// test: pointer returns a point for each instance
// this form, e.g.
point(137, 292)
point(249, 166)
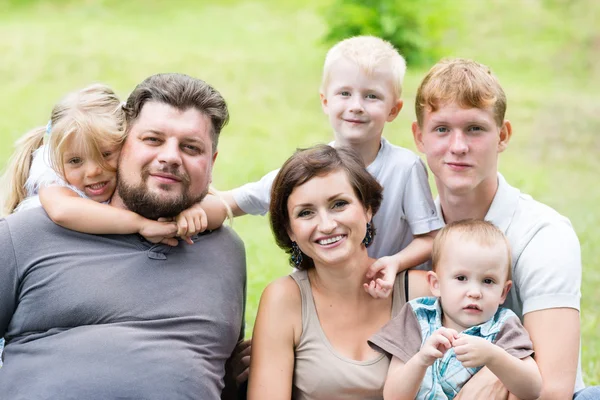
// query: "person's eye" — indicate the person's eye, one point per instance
point(151, 140)
point(303, 213)
point(191, 149)
point(475, 129)
point(461, 278)
point(488, 281)
point(74, 160)
point(441, 129)
point(340, 204)
point(345, 93)
point(372, 96)
point(107, 154)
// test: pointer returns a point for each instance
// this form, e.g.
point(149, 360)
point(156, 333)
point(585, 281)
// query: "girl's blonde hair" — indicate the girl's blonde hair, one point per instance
point(90, 118)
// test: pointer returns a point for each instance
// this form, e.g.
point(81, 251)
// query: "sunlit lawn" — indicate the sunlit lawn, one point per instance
point(265, 57)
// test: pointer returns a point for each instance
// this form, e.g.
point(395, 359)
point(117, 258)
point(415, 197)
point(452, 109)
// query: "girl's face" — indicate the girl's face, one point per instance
point(87, 175)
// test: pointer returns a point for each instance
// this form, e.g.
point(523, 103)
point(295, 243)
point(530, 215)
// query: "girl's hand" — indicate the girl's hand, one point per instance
point(191, 222)
point(160, 231)
point(436, 345)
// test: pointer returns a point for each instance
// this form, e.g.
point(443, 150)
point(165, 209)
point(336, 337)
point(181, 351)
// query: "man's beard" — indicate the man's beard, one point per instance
point(150, 205)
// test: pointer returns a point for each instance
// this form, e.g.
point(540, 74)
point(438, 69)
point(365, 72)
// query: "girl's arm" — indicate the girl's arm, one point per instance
point(69, 210)
point(276, 332)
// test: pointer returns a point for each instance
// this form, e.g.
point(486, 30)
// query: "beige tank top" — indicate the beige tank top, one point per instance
point(320, 372)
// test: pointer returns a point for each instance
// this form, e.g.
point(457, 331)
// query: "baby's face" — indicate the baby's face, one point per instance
point(472, 281)
point(87, 175)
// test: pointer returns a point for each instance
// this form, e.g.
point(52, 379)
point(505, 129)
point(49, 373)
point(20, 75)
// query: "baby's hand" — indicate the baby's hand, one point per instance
point(436, 345)
point(383, 275)
point(191, 222)
point(159, 231)
point(472, 351)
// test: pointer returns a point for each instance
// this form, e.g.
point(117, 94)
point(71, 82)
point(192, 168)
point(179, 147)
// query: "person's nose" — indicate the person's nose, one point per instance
point(170, 153)
point(474, 291)
point(458, 142)
point(356, 104)
point(92, 169)
point(327, 223)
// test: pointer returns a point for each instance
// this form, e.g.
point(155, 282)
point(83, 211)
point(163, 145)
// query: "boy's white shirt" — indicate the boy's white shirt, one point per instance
point(546, 255)
point(407, 208)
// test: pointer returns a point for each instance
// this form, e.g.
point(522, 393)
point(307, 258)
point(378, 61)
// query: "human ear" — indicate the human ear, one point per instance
point(505, 291)
point(418, 136)
point(369, 214)
point(323, 102)
point(505, 135)
point(434, 283)
point(395, 110)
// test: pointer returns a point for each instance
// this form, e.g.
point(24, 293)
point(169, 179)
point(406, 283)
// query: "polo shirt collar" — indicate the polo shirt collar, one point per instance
point(503, 206)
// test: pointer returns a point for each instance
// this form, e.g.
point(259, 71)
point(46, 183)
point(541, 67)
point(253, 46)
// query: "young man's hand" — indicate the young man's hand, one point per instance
point(436, 345)
point(382, 274)
point(190, 222)
point(473, 351)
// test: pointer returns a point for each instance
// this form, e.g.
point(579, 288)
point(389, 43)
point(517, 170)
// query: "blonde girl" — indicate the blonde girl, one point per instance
point(69, 167)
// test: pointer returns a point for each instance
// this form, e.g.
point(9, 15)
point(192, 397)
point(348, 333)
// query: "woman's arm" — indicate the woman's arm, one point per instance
point(69, 210)
point(276, 332)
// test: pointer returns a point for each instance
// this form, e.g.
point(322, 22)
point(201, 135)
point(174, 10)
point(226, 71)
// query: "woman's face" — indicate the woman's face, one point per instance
point(327, 220)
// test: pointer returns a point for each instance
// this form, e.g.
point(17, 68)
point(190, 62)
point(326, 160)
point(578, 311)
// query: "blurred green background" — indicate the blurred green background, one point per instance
point(266, 57)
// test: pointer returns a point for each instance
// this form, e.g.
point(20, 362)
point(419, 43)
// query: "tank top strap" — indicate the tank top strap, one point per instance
point(399, 295)
point(308, 305)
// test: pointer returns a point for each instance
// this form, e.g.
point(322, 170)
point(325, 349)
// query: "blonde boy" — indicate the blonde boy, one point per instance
point(438, 343)
point(360, 92)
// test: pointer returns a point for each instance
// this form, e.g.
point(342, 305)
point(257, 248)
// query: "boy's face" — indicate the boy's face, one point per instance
point(462, 146)
point(471, 281)
point(359, 104)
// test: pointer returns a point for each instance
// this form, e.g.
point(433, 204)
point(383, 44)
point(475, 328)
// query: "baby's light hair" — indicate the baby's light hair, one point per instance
point(461, 81)
point(482, 232)
point(369, 53)
point(90, 118)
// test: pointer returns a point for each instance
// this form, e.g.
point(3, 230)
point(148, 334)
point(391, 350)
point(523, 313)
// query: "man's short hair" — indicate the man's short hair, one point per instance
point(368, 53)
point(464, 82)
point(482, 232)
point(182, 92)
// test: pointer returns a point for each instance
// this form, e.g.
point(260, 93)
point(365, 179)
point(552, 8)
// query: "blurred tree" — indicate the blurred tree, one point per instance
point(415, 27)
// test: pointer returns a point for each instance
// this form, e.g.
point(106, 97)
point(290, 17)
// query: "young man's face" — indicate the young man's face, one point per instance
point(461, 146)
point(471, 280)
point(359, 104)
point(166, 161)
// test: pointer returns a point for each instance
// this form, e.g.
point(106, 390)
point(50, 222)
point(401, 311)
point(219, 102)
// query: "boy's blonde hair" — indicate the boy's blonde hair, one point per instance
point(90, 118)
point(465, 82)
point(483, 232)
point(368, 52)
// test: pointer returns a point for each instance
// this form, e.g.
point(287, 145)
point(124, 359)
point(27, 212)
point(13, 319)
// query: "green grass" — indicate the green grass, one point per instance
point(266, 57)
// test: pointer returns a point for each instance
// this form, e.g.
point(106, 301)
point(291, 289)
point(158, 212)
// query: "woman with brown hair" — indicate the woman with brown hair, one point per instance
point(310, 337)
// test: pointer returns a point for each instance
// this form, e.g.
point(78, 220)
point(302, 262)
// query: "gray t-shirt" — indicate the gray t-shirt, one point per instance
point(114, 316)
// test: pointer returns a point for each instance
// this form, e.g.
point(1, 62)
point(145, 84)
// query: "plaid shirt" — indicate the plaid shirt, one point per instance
point(445, 378)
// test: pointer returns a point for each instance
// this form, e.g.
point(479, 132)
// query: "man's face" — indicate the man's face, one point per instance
point(166, 161)
point(462, 146)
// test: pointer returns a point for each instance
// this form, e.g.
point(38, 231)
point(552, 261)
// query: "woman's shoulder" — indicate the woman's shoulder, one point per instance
point(283, 293)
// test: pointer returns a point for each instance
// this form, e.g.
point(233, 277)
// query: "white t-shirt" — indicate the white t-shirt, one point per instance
point(546, 256)
point(407, 208)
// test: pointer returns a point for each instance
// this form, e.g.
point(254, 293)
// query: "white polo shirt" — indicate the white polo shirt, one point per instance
point(407, 208)
point(546, 255)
